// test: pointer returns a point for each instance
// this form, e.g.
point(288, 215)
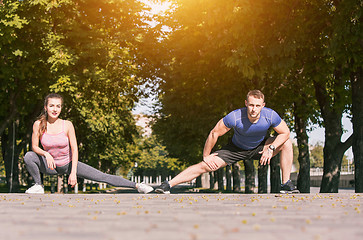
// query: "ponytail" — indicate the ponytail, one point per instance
point(43, 123)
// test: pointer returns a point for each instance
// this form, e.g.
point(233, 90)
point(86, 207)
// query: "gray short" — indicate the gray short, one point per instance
point(230, 153)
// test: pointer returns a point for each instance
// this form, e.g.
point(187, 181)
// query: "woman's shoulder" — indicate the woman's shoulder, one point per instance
point(68, 124)
point(36, 123)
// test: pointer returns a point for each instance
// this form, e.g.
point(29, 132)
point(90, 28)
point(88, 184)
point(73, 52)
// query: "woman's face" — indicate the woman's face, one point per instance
point(54, 107)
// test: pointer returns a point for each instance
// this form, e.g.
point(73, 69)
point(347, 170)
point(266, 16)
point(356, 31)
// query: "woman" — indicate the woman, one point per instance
point(60, 152)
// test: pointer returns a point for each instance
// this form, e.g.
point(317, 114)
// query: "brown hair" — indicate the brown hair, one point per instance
point(256, 94)
point(44, 115)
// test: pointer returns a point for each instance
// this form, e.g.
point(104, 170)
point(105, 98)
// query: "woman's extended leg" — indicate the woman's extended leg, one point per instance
point(35, 165)
point(88, 172)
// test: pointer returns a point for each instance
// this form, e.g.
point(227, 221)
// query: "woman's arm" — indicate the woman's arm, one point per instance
point(72, 180)
point(37, 149)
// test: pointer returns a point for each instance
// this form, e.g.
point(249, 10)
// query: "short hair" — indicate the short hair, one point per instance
point(256, 94)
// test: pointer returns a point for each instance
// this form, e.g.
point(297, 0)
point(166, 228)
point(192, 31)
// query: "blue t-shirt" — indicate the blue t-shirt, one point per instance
point(249, 135)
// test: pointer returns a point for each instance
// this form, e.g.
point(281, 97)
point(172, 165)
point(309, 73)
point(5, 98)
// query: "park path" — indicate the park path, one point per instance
point(181, 216)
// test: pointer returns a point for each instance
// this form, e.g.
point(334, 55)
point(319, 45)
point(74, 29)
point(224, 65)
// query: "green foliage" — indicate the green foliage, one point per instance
point(153, 159)
point(88, 52)
point(317, 156)
point(96, 63)
point(215, 51)
point(210, 65)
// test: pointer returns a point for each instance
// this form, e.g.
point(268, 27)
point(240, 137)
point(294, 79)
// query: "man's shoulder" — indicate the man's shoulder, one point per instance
point(267, 110)
point(238, 113)
point(271, 116)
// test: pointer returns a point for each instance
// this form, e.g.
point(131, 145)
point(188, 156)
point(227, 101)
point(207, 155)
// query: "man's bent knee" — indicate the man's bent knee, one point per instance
point(217, 161)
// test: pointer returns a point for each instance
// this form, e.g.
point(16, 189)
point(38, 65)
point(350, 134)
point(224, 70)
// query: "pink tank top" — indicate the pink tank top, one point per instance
point(57, 145)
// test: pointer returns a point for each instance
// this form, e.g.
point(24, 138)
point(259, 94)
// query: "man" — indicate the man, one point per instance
point(250, 125)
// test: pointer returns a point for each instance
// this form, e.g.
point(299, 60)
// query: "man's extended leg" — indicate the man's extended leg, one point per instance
point(189, 174)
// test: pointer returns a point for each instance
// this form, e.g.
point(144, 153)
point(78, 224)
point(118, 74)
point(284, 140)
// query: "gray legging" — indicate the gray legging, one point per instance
point(36, 164)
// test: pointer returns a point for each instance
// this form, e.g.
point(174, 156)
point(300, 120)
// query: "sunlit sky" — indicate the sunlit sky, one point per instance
point(157, 8)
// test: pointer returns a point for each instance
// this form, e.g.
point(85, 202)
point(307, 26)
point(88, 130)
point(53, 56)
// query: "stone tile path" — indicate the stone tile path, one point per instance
point(181, 216)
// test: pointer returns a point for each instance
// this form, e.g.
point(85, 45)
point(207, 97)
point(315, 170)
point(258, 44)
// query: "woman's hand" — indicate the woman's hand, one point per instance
point(50, 161)
point(72, 180)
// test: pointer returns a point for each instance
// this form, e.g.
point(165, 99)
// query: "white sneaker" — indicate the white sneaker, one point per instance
point(143, 188)
point(36, 188)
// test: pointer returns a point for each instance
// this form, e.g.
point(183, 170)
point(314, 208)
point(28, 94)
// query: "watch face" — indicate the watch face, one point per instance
point(272, 147)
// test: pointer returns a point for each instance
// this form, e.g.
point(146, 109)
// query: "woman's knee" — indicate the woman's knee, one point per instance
point(30, 157)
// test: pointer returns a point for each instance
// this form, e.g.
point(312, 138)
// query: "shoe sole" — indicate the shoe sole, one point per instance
point(289, 192)
point(162, 191)
point(148, 191)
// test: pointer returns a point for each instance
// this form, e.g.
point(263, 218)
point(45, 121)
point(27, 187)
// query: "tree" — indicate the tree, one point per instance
point(23, 69)
point(86, 50)
point(255, 50)
point(346, 47)
point(153, 159)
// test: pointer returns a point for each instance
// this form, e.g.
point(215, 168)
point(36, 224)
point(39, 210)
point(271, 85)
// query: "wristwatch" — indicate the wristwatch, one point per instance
point(272, 147)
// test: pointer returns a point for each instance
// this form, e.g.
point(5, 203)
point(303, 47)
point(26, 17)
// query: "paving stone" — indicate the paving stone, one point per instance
point(181, 216)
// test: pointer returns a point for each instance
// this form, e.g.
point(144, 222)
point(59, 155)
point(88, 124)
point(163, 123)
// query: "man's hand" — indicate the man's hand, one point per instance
point(267, 154)
point(209, 160)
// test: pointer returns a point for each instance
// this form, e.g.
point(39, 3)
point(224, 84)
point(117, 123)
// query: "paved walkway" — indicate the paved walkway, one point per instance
point(181, 216)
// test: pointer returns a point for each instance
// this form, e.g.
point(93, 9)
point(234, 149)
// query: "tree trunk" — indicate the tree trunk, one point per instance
point(198, 182)
point(275, 178)
point(229, 178)
point(162, 174)
point(236, 178)
point(250, 173)
point(334, 149)
point(211, 180)
point(5, 123)
point(262, 178)
point(303, 179)
point(220, 179)
point(11, 157)
point(357, 109)
point(332, 165)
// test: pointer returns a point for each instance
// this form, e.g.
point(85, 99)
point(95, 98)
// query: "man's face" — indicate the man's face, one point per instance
point(254, 106)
